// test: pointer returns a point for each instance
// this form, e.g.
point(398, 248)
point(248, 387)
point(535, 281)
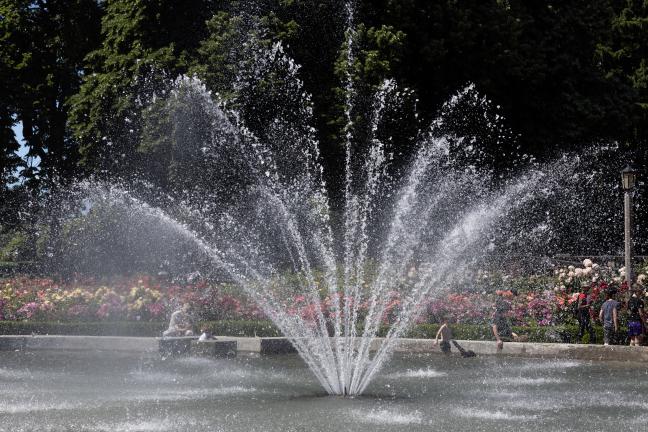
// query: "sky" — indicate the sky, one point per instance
point(22, 152)
point(19, 136)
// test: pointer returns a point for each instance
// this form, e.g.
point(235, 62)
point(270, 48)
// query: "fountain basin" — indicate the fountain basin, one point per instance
point(279, 345)
point(97, 390)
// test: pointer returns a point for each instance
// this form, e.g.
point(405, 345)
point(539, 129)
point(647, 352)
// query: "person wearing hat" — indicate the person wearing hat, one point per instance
point(583, 314)
point(635, 316)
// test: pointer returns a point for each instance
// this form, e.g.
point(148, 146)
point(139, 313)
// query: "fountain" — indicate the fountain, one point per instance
point(258, 208)
point(265, 217)
point(262, 213)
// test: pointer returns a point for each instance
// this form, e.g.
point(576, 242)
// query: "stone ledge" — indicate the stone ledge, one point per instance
point(174, 346)
point(283, 346)
point(80, 343)
point(277, 345)
point(214, 348)
point(531, 349)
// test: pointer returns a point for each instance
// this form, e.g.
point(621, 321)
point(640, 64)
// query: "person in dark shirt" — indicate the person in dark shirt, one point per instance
point(583, 314)
point(500, 323)
point(609, 316)
point(635, 316)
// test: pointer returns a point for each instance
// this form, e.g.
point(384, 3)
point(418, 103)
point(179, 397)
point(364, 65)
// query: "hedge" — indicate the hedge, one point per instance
point(78, 328)
point(268, 329)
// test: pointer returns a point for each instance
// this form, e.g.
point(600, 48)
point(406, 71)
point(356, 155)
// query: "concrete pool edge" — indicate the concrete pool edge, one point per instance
point(280, 345)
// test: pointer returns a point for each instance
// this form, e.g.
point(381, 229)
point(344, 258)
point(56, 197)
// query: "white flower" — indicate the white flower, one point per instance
point(616, 279)
point(587, 262)
point(578, 272)
point(641, 278)
point(571, 267)
point(570, 274)
point(595, 266)
point(587, 271)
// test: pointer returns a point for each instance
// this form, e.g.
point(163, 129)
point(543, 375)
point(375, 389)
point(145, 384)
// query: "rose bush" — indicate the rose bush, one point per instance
point(542, 301)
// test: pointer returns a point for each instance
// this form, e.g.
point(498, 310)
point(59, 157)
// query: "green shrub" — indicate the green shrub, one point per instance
point(118, 328)
point(268, 329)
point(242, 328)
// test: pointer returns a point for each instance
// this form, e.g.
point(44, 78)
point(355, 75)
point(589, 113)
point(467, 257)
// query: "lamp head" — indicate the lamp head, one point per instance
point(628, 178)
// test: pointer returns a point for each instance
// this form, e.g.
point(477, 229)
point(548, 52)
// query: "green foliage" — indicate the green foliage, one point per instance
point(535, 59)
point(119, 328)
point(268, 329)
point(624, 57)
point(41, 61)
point(242, 328)
point(77, 73)
point(375, 53)
point(14, 246)
point(145, 44)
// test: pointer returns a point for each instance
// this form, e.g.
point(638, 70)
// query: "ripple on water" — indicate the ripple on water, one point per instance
point(201, 362)
point(549, 365)
point(388, 417)
point(20, 407)
point(418, 373)
point(491, 415)
point(153, 425)
point(154, 377)
point(523, 381)
point(178, 395)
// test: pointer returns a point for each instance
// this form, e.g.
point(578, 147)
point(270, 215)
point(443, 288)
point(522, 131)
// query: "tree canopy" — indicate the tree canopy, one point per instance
point(81, 78)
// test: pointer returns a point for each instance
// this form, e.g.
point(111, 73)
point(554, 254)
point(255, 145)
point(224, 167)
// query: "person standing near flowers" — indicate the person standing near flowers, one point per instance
point(500, 323)
point(635, 316)
point(583, 314)
point(609, 316)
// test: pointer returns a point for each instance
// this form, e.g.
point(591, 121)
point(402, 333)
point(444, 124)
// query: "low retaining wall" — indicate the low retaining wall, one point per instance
point(532, 349)
point(81, 343)
point(283, 346)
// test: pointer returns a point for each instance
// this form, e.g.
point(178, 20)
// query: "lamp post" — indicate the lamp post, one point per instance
point(628, 179)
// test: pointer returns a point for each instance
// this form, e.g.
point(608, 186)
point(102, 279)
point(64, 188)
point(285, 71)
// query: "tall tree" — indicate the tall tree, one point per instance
point(534, 58)
point(146, 44)
point(41, 59)
point(625, 58)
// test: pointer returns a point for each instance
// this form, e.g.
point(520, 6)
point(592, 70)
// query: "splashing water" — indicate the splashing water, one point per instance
point(264, 215)
point(276, 238)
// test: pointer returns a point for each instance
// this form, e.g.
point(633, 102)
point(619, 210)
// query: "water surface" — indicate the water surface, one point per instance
point(105, 391)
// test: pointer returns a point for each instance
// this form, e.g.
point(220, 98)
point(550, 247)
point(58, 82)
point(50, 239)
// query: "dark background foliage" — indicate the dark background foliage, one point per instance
point(76, 74)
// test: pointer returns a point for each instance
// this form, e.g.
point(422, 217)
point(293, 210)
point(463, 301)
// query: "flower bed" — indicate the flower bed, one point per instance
point(543, 301)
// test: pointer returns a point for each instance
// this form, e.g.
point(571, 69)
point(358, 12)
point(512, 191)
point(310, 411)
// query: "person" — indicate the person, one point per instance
point(180, 323)
point(635, 316)
point(446, 336)
point(500, 322)
point(583, 308)
point(609, 316)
